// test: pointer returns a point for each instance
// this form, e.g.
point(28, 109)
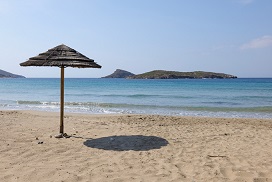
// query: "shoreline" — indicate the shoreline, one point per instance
point(147, 147)
point(222, 115)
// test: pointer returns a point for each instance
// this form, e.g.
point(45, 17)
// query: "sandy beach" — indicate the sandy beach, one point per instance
point(133, 148)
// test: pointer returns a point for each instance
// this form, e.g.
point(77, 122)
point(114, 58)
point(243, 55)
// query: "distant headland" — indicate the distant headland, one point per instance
point(162, 74)
point(5, 74)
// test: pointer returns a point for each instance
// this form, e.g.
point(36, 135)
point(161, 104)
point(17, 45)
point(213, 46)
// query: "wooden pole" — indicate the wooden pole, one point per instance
point(62, 100)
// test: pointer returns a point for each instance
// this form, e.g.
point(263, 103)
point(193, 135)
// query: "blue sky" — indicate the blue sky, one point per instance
point(229, 36)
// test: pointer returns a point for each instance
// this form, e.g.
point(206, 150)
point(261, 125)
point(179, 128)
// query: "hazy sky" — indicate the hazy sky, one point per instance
point(229, 36)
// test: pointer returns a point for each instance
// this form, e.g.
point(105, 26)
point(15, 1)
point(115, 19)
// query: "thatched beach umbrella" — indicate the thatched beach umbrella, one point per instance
point(61, 56)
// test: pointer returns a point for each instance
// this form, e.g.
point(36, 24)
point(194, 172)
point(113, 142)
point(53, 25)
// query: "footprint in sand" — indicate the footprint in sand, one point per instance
point(264, 177)
point(228, 173)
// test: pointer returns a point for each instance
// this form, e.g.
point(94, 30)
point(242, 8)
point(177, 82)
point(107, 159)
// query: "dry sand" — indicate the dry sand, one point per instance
point(133, 148)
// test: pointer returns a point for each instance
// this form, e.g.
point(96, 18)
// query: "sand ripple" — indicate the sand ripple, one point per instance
point(133, 148)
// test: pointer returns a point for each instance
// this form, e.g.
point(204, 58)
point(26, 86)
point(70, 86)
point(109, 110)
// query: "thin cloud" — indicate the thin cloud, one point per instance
point(261, 42)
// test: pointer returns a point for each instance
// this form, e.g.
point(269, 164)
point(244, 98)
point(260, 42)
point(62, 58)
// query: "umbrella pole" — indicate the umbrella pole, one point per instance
point(62, 100)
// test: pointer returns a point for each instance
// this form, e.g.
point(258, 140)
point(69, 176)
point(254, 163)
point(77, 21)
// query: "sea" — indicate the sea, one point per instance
point(227, 98)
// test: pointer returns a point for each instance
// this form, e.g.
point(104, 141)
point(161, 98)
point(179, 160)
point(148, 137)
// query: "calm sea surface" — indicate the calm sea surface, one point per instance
point(246, 98)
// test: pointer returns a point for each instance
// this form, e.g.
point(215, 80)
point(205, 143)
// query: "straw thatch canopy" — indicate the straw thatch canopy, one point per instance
point(61, 56)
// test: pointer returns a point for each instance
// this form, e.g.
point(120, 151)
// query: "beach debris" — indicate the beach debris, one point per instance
point(217, 156)
point(64, 135)
point(41, 142)
point(37, 138)
point(59, 136)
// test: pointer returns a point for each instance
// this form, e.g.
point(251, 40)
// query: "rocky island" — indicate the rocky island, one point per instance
point(5, 74)
point(162, 74)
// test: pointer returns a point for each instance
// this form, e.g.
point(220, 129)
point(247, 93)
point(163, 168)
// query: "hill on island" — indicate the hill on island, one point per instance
point(119, 74)
point(162, 74)
point(5, 74)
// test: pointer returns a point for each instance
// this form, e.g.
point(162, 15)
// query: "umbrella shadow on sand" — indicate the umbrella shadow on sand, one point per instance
point(125, 143)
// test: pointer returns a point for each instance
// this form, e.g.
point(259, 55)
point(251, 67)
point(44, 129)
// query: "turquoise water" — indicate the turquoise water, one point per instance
point(246, 98)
